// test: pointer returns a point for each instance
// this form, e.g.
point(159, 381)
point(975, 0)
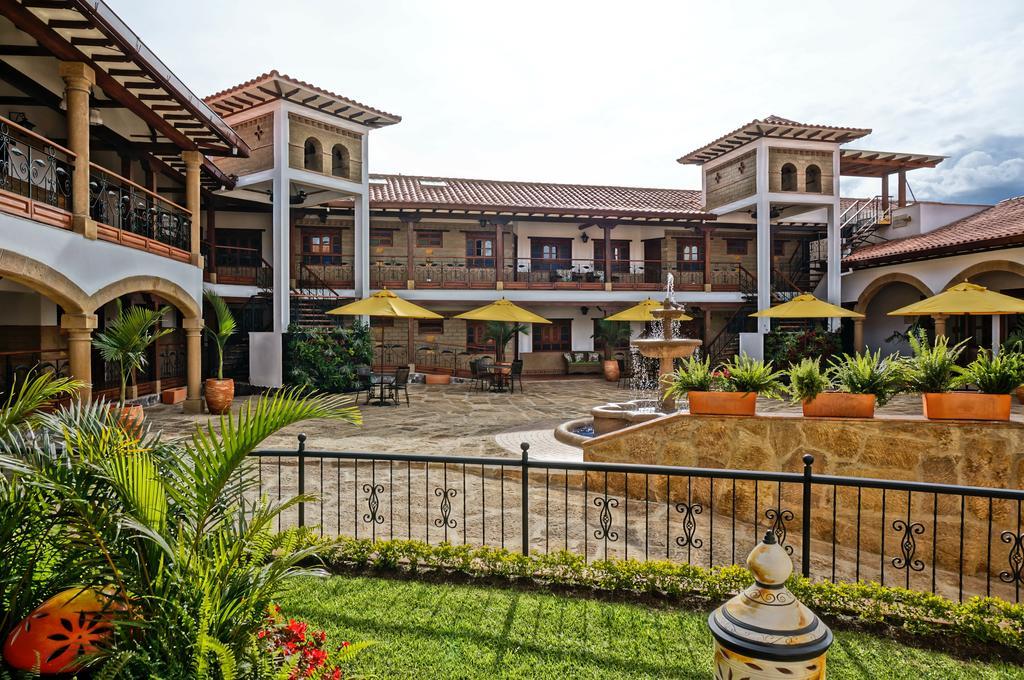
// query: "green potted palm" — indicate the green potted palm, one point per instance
point(501, 333)
point(611, 335)
point(220, 392)
point(124, 342)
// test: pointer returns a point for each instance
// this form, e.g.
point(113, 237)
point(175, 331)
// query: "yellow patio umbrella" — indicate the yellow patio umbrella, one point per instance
point(641, 312)
point(505, 311)
point(502, 310)
point(964, 298)
point(807, 307)
point(388, 305)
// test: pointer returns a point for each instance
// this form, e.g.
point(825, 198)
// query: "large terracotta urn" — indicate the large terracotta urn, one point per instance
point(219, 395)
point(611, 370)
point(60, 631)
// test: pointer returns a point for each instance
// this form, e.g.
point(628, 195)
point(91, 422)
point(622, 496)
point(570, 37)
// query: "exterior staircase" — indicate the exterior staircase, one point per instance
point(311, 300)
point(859, 223)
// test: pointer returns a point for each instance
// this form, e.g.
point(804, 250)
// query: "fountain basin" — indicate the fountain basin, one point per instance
point(660, 348)
point(612, 417)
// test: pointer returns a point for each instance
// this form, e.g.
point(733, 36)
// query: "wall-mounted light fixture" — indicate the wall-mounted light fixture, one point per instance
point(585, 310)
point(584, 237)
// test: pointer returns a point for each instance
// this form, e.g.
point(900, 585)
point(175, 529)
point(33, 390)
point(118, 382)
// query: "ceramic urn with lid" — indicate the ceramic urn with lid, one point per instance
point(765, 632)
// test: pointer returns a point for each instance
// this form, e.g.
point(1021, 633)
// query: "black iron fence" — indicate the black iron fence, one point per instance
point(957, 541)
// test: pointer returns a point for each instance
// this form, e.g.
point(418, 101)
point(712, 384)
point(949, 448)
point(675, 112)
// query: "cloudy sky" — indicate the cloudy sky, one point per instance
point(604, 92)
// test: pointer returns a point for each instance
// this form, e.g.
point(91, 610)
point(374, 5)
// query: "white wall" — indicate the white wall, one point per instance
point(91, 265)
point(878, 325)
point(926, 216)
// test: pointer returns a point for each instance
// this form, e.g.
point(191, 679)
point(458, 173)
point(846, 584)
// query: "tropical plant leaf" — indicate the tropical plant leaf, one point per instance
point(35, 390)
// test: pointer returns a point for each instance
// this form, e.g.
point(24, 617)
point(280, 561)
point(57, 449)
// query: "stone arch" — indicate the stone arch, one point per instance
point(983, 268)
point(881, 282)
point(788, 176)
point(339, 160)
point(812, 179)
point(172, 292)
point(313, 154)
point(44, 280)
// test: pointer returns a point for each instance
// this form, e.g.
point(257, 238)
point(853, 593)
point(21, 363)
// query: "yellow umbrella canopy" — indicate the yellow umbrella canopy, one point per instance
point(807, 307)
point(502, 310)
point(964, 298)
point(387, 304)
point(641, 312)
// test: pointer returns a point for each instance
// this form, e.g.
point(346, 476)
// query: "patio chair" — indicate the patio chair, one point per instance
point(364, 382)
point(400, 384)
point(516, 373)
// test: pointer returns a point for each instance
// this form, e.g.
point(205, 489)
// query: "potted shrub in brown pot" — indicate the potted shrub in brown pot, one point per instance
point(933, 371)
point(851, 387)
point(220, 392)
point(124, 342)
point(731, 390)
point(612, 335)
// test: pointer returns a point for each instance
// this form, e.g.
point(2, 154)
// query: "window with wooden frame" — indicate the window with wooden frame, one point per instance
point(553, 337)
point(430, 326)
point(384, 238)
point(736, 246)
point(239, 247)
point(479, 250)
point(690, 254)
point(429, 239)
point(620, 254)
point(321, 246)
point(475, 341)
point(549, 254)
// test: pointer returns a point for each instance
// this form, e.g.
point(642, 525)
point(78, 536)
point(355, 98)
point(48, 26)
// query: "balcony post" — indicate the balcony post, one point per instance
point(79, 328)
point(706, 248)
point(607, 236)
point(192, 160)
point(410, 249)
point(211, 240)
point(858, 335)
point(78, 81)
point(193, 349)
point(885, 193)
point(901, 189)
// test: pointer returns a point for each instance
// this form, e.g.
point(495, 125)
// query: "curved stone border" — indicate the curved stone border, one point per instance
point(564, 432)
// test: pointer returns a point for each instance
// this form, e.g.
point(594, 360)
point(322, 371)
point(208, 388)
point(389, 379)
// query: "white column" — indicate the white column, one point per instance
point(995, 333)
point(361, 240)
point(281, 253)
point(833, 272)
point(764, 240)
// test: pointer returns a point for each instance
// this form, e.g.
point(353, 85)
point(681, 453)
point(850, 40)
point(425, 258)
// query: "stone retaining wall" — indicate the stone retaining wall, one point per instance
point(903, 448)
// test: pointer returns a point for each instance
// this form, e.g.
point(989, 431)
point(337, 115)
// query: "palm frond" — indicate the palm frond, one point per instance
point(226, 327)
point(125, 339)
point(34, 391)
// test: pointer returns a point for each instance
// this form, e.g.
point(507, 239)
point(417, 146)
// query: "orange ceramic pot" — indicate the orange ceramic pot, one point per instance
point(60, 631)
point(437, 378)
point(611, 370)
point(219, 395)
point(840, 405)
point(130, 417)
point(722, 403)
point(966, 406)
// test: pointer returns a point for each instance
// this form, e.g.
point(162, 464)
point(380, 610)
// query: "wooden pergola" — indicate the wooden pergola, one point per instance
point(857, 163)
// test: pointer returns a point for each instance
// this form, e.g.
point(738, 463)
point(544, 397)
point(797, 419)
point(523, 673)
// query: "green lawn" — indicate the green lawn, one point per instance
point(429, 630)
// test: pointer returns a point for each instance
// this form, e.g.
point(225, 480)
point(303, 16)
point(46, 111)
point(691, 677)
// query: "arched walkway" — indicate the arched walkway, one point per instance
point(871, 292)
point(44, 280)
point(985, 267)
point(171, 292)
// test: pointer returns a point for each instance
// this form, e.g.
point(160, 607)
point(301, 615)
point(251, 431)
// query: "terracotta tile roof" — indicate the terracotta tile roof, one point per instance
point(1000, 225)
point(286, 87)
point(772, 126)
point(410, 191)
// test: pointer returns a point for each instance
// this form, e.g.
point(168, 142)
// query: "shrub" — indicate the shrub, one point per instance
point(784, 348)
point(983, 619)
point(932, 368)
point(693, 375)
point(745, 374)
point(806, 381)
point(868, 373)
point(326, 359)
point(993, 375)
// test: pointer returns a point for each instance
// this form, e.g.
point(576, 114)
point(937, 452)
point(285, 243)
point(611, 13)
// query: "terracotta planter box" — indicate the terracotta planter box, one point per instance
point(219, 394)
point(722, 403)
point(437, 378)
point(611, 370)
point(173, 395)
point(840, 405)
point(966, 406)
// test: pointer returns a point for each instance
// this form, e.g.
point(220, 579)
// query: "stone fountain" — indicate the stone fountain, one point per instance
point(615, 416)
point(666, 349)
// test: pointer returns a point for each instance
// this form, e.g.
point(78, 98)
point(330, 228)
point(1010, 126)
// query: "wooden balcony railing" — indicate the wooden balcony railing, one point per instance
point(130, 214)
point(35, 175)
point(238, 265)
point(15, 365)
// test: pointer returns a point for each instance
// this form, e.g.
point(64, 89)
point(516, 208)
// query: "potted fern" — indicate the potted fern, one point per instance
point(611, 335)
point(995, 377)
point(850, 387)
point(124, 342)
point(732, 389)
point(220, 392)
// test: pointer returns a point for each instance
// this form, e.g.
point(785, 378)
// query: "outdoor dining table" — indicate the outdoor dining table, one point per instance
point(500, 373)
point(378, 388)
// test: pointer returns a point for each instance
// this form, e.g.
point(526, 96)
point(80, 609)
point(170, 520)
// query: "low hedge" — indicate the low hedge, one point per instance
point(984, 620)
